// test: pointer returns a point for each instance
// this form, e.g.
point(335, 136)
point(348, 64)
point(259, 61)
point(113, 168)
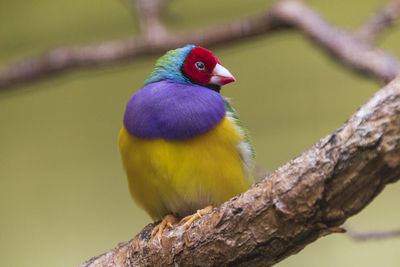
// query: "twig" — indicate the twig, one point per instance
point(149, 14)
point(303, 200)
point(344, 46)
point(383, 18)
point(371, 235)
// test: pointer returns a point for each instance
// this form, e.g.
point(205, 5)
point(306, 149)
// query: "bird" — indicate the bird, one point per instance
point(183, 148)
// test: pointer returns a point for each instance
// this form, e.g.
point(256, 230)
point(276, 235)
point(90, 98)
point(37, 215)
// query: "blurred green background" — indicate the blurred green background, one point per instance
point(63, 195)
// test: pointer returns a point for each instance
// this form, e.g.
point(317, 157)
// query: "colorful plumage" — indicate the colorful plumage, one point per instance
point(182, 144)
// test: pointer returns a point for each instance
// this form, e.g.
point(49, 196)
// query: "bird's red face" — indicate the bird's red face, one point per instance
point(204, 68)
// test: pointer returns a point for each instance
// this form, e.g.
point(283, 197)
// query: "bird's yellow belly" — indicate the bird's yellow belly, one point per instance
point(180, 177)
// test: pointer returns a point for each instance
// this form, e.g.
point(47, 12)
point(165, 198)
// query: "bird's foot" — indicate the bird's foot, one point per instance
point(331, 230)
point(188, 220)
point(168, 221)
point(336, 229)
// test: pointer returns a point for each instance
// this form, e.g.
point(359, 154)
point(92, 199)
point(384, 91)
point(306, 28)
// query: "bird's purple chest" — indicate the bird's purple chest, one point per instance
point(173, 111)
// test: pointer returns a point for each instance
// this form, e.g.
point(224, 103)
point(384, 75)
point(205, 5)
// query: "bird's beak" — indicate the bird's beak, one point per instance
point(221, 76)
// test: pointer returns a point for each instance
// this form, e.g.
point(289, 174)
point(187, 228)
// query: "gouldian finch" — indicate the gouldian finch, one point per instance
point(182, 145)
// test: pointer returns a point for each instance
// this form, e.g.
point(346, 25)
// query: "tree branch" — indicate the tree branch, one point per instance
point(384, 18)
point(345, 47)
point(342, 45)
point(301, 201)
point(64, 58)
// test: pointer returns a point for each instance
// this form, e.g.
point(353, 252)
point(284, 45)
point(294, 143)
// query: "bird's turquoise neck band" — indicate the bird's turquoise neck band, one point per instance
point(169, 66)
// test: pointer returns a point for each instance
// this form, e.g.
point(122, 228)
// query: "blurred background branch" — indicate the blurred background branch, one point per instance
point(354, 52)
point(370, 235)
point(149, 14)
point(381, 20)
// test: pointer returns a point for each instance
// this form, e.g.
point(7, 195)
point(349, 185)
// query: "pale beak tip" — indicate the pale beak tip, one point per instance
point(221, 76)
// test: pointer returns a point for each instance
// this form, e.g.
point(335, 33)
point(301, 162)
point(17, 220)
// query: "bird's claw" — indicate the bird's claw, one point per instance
point(170, 220)
point(188, 220)
point(158, 230)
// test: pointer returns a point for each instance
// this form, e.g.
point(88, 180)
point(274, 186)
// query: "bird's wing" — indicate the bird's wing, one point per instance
point(246, 150)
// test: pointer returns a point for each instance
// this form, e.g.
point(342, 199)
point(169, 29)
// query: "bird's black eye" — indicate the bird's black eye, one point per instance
point(200, 65)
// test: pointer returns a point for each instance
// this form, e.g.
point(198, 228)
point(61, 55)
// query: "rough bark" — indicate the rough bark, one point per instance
point(293, 206)
point(346, 47)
